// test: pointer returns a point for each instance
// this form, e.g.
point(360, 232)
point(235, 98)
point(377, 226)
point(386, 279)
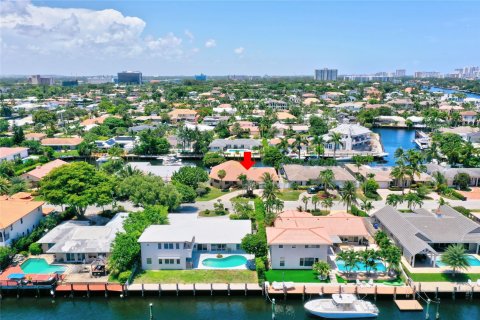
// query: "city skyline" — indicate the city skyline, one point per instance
point(77, 38)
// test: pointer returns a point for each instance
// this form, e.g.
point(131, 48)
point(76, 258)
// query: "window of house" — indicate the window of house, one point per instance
point(293, 247)
point(312, 246)
point(21, 220)
point(282, 261)
point(177, 245)
point(168, 245)
point(149, 260)
point(169, 261)
point(280, 246)
point(307, 262)
point(178, 261)
point(202, 247)
point(160, 261)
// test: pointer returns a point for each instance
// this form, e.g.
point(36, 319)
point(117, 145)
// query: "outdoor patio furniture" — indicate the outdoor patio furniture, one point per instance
point(470, 283)
point(370, 283)
point(478, 282)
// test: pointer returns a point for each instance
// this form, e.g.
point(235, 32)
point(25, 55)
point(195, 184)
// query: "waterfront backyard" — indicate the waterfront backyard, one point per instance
point(196, 276)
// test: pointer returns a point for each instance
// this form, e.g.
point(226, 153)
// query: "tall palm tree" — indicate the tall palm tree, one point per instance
point(455, 257)
point(413, 200)
point(336, 138)
point(326, 178)
point(305, 201)
point(315, 200)
point(366, 206)
point(399, 172)
point(394, 200)
point(349, 194)
point(350, 259)
point(221, 174)
point(297, 144)
point(270, 188)
point(327, 203)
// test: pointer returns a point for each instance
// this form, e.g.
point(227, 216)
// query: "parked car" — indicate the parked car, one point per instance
point(313, 190)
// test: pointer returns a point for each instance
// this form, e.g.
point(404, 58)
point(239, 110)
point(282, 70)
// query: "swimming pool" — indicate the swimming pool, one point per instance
point(40, 266)
point(224, 263)
point(472, 261)
point(360, 266)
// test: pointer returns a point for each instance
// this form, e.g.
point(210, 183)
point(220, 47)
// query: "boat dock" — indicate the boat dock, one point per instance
point(408, 305)
point(177, 288)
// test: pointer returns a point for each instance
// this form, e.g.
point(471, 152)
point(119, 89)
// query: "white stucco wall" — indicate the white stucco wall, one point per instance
point(22, 227)
point(292, 255)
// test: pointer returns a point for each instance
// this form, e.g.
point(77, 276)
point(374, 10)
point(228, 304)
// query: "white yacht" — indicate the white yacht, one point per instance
point(342, 306)
point(170, 161)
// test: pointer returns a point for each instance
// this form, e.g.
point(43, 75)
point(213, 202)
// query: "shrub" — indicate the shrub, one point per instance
point(464, 211)
point(6, 254)
point(357, 212)
point(294, 185)
point(35, 249)
point(124, 276)
point(462, 180)
point(457, 195)
point(200, 191)
point(261, 269)
point(188, 193)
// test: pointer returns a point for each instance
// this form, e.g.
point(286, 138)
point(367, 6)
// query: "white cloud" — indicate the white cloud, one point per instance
point(27, 29)
point(210, 43)
point(189, 35)
point(239, 50)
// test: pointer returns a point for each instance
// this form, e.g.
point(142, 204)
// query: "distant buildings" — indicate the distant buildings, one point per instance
point(69, 83)
point(201, 77)
point(129, 77)
point(39, 80)
point(427, 74)
point(326, 74)
point(400, 73)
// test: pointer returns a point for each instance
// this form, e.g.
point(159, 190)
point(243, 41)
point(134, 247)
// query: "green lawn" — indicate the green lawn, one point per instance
point(58, 154)
point(197, 276)
point(289, 195)
point(212, 194)
point(444, 277)
point(293, 276)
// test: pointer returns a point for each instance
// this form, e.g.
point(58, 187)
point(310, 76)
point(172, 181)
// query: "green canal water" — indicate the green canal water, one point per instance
point(202, 308)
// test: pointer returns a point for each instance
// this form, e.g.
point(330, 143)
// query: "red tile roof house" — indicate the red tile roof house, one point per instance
point(297, 240)
point(233, 169)
point(10, 154)
point(37, 174)
point(62, 143)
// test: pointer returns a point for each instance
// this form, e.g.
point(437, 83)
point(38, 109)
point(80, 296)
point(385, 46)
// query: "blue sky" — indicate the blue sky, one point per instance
point(237, 37)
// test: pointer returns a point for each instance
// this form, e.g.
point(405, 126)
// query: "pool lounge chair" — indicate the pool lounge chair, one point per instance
point(370, 283)
point(470, 283)
point(282, 285)
point(478, 282)
point(359, 283)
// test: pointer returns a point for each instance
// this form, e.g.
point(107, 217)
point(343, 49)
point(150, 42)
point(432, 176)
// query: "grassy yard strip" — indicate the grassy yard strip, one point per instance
point(289, 195)
point(196, 276)
point(212, 194)
point(444, 277)
point(293, 276)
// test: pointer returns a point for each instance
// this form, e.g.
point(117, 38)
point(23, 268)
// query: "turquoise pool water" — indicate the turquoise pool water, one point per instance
point(472, 261)
point(40, 266)
point(237, 150)
point(360, 267)
point(227, 262)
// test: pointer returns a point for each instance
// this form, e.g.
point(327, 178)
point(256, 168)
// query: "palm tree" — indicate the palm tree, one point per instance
point(17, 184)
point(413, 200)
point(350, 259)
point(368, 257)
point(326, 178)
point(315, 200)
point(394, 200)
point(322, 268)
point(221, 174)
point(297, 144)
point(336, 138)
point(270, 188)
point(4, 186)
point(399, 172)
point(455, 257)
point(366, 205)
point(305, 200)
point(349, 193)
point(327, 203)
point(439, 179)
point(392, 256)
point(247, 185)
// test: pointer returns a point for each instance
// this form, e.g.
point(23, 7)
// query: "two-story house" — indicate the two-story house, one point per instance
point(18, 218)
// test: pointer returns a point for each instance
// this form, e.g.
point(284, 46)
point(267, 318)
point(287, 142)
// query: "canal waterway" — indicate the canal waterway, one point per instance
point(394, 138)
point(203, 308)
point(451, 91)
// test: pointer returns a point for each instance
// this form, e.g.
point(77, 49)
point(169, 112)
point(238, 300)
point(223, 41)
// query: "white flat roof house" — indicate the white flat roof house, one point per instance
point(354, 137)
point(175, 245)
point(78, 242)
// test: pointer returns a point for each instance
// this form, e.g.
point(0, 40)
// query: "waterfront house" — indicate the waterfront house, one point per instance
point(353, 137)
point(423, 234)
point(297, 128)
point(308, 175)
point(450, 173)
point(249, 126)
point(214, 120)
point(180, 244)
point(234, 169)
point(36, 175)
point(18, 218)
point(77, 242)
point(221, 145)
point(12, 154)
point(469, 118)
point(298, 239)
point(467, 133)
point(276, 104)
point(225, 108)
point(62, 143)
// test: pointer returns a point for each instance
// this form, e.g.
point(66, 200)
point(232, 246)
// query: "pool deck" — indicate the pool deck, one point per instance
point(432, 269)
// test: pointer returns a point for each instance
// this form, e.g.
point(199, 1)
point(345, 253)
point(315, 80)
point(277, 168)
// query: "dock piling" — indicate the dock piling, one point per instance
point(177, 288)
point(159, 289)
point(194, 289)
point(211, 289)
point(246, 289)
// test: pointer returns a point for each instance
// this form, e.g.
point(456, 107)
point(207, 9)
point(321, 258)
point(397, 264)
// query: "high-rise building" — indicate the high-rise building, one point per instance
point(130, 77)
point(326, 74)
point(427, 74)
point(400, 73)
point(39, 80)
point(201, 77)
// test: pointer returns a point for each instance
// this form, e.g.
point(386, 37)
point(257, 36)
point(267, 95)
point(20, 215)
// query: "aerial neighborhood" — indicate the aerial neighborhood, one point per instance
point(267, 182)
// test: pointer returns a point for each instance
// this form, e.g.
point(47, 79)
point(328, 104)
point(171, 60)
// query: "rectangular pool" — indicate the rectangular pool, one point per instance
point(472, 261)
point(40, 266)
point(360, 266)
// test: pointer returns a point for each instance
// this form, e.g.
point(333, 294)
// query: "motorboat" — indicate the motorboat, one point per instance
point(170, 161)
point(342, 306)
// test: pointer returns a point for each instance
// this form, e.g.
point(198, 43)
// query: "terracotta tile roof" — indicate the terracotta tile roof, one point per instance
point(303, 228)
point(6, 151)
point(43, 170)
point(12, 210)
point(234, 169)
point(75, 141)
point(468, 113)
point(179, 112)
point(33, 135)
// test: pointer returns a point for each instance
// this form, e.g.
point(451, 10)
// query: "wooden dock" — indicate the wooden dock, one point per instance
point(408, 305)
